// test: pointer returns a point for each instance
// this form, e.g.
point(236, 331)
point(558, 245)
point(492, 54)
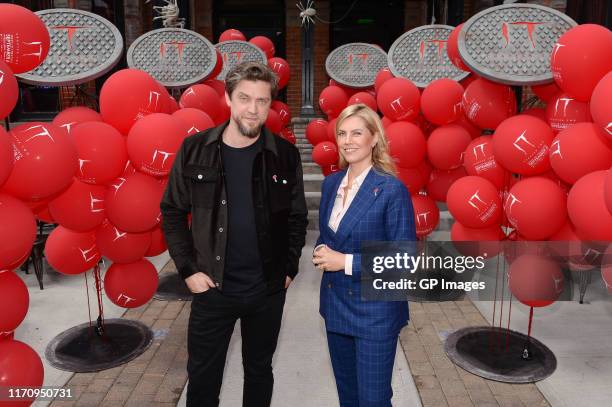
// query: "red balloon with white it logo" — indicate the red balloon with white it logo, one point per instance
point(564, 111)
point(80, 207)
point(601, 108)
point(131, 285)
point(25, 38)
point(479, 159)
point(426, 214)
point(193, 120)
point(119, 246)
point(153, 142)
point(281, 69)
point(325, 153)
point(535, 281)
point(521, 144)
point(71, 252)
point(399, 99)
point(332, 100)
point(487, 104)
point(474, 202)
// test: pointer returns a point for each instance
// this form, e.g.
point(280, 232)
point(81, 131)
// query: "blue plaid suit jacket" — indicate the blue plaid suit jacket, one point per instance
point(381, 211)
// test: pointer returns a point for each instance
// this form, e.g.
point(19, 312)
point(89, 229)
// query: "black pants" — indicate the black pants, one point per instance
point(211, 324)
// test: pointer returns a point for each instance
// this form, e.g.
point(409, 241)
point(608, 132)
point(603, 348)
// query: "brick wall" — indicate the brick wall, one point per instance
point(202, 18)
point(293, 50)
point(321, 80)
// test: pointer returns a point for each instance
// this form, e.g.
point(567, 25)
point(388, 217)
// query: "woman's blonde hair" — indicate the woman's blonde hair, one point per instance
point(381, 160)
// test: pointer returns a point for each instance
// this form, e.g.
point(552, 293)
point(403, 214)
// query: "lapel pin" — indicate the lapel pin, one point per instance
point(284, 181)
point(375, 191)
point(274, 178)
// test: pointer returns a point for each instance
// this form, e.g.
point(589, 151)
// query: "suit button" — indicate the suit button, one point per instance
point(217, 284)
point(223, 202)
point(218, 258)
point(329, 285)
point(350, 292)
point(221, 230)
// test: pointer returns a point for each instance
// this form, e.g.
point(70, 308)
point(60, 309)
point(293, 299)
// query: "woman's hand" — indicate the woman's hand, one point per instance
point(326, 259)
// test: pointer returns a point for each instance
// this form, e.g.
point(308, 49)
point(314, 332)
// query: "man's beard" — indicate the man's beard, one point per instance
point(248, 132)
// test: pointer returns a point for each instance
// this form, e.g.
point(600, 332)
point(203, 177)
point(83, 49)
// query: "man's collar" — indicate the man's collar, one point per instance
point(216, 133)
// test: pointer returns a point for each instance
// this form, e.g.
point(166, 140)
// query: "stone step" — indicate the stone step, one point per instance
point(313, 199)
point(313, 182)
point(313, 219)
point(306, 157)
point(311, 168)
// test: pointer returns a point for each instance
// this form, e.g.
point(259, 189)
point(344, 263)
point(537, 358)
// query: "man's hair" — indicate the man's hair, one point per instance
point(251, 71)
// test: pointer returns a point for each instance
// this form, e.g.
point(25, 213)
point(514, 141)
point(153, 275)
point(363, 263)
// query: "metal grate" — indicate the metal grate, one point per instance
point(237, 52)
point(356, 64)
point(174, 56)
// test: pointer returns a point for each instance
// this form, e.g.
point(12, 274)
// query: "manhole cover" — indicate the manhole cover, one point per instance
point(173, 56)
point(237, 52)
point(79, 349)
point(496, 354)
point(420, 55)
point(512, 44)
point(84, 46)
point(355, 65)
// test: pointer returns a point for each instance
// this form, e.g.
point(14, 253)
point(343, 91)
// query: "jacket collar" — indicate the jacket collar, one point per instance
point(215, 134)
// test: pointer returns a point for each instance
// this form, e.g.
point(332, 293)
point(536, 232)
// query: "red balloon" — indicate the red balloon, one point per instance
point(440, 181)
point(464, 122)
point(201, 97)
point(273, 122)
point(45, 161)
point(399, 99)
point(9, 90)
point(364, 98)
point(587, 208)
point(349, 91)
point(14, 301)
point(426, 214)
point(265, 44)
point(132, 203)
point(80, 207)
point(193, 120)
point(580, 150)
point(538, 112)
point(129, 95)
point(521, 144)
point(386, 122)
point(446, 146)
point(333, 100)
point(288, 135)
point(316, 131)
point(608, 190)
point(545, 92)
point(224, 111)
point(232, 35)
point(216, 84)
point(283, 111)
point(158, 243)
point(25, 38)
point(173, 105)
point(452, 49)
point(564, 111)
point(325, 153)
point(441, 101)
point(479, 241)
point(153, 142)
point(580, 58)
point(487, 104)
point(330, 169)
point(381, 77)
point(20, 367)
point(70, 117)
point(479, 159)
point(474, 201)
point(281, 69)
point(44, 215)
point(415, 178)
point(331, 130)
point(131, 285)
point(407, 144)
point(101, 150)
point(71, 252)
point(536, 208)
point(120, 246)
point(601, 108)
point(535, 280)
point(218, 67)
point(6, 155)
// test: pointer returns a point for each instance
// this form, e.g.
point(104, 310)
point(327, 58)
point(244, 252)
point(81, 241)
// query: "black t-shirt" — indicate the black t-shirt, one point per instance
point(243, 274)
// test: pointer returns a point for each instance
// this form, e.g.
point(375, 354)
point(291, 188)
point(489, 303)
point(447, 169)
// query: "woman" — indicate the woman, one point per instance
point(361, 203)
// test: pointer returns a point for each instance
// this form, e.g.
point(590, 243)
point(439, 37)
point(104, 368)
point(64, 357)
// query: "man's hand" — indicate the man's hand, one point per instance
point(327, 259)
point(288, 281)
point(199, 282)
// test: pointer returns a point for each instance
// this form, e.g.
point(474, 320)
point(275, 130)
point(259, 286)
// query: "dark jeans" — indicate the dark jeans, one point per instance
point(211, 324)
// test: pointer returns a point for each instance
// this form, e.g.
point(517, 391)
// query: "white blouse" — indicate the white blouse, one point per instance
point(341, 206)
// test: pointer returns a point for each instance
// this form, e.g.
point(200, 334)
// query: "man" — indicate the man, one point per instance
point(244, 189)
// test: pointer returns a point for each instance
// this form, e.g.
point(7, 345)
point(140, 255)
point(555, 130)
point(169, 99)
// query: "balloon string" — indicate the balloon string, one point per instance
point(88, 304)
point(508, 328)
point(100, 322)
point(530, 321)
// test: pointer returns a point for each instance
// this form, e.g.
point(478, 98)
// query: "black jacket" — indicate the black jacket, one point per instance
point(197, 185)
